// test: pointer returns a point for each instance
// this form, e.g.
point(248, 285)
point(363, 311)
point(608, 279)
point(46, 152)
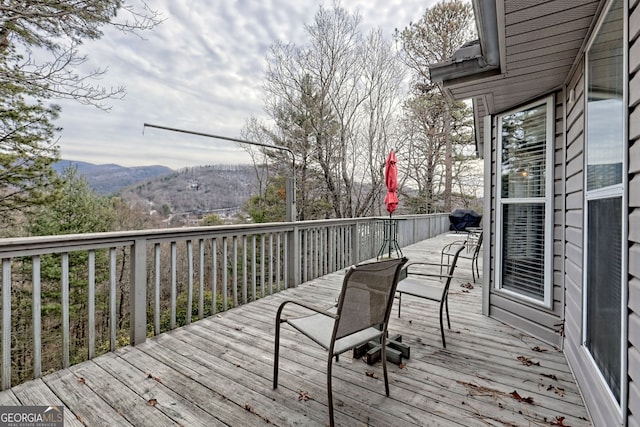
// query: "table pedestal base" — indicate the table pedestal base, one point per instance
point(372, 351)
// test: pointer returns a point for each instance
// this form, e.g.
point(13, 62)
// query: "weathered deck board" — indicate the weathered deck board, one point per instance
point(218, 371)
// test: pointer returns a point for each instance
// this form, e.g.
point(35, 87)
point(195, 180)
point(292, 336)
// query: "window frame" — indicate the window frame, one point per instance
point(611, 191)
point(547, 301)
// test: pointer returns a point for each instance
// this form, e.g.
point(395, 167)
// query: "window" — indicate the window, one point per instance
point(604, 199)
point(524, 213)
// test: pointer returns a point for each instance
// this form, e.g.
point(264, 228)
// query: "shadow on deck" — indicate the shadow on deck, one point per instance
point(218, 371)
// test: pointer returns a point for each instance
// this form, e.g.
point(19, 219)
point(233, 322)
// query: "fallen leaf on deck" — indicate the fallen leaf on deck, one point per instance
point(539, 349)
point(402, 365)
point(304, 396)
point(550, 376)
point(527, 362)
point(371, 374)
point(248, 407)
point(519, 398)
point(559, 421)
point(81, 380)
point(152, 402)
point(467, 285)
point(557, 390)
point(154, 378)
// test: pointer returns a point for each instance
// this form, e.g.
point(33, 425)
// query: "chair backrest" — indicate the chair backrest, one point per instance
point(476, 249)
point(452, 268)
point(367, 295)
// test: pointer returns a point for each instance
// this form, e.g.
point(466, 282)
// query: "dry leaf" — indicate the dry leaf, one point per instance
point(559, 421)
point(402, 365)
point(519, 398)
point(304, 396)
point(550, 376)
point(81, 380)
point(527, 362)
point(371, 374)
point(539, 349)
point(152, 402)
point(467, 285)
point(248, 407)
point(557, 390)
point(154, 378)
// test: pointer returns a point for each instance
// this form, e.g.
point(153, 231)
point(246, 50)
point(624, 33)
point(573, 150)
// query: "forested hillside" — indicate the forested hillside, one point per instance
point(196, 191)
point(110, 178)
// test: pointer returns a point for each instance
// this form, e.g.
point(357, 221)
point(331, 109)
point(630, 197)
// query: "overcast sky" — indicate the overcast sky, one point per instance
point(200, 70)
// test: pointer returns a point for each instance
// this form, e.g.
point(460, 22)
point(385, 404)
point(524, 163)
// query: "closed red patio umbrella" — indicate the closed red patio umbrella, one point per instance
point(391, 179)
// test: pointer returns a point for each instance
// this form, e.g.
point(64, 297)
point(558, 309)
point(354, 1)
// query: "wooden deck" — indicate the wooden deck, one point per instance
point(218, 371)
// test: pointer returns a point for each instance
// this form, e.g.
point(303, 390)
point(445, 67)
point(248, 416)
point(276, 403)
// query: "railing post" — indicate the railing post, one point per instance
point(6, 323)
point(355, 243)
point(293, 254)
point(138, 292)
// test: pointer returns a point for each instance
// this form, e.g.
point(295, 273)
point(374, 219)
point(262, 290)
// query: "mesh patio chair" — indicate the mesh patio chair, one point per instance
point(473, 245)
point(361, 315)
point(432, 286)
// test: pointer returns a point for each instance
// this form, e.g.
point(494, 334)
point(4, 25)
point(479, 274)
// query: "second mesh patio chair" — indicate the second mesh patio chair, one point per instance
point(362, 315)
point(430, 285)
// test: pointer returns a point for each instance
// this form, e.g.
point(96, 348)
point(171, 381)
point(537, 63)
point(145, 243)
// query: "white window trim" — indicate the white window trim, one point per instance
point(609, 192)
point(547, 301)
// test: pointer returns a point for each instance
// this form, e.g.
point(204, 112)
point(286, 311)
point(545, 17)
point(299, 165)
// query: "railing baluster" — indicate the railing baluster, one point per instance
point(190, 280)
point(112, 299)
point(285, 257)
point(6, 323)
point(262, 266)
point(92, 304)
point(270, 263)
point(305, 255)
point(201, 279)
point(278, 261)
point(156, 289)
point(174, 284)
point(65, 310)
point(253, 266)
point(214, 275)
point(225, 273)
point(37, 317)
point(244, 269)
point(235, 271)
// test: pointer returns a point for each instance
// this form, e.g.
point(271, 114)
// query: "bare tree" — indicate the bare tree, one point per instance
point(334, 102)
point(435, 38)
point(59, 27)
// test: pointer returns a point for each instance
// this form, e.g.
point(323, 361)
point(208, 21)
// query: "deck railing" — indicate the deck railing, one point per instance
point(69, 298)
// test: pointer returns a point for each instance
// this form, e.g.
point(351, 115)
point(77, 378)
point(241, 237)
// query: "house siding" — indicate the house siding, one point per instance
point(603, 410)
point(634, 216)
point(544, 323)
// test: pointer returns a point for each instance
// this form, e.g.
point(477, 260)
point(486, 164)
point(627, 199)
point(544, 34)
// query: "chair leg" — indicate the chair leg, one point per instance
point(399, 303)
point(276, 355)
point(329, 391)
point(383, 354)
point(446, 306)
point(444, 344)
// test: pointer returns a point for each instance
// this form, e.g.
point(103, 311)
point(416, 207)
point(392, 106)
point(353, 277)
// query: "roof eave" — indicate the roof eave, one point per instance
point(487, 63)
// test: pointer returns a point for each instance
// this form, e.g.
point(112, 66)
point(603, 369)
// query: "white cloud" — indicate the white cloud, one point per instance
point(201, 70)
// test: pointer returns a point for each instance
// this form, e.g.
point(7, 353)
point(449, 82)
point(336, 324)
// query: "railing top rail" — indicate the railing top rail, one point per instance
point(21, 246)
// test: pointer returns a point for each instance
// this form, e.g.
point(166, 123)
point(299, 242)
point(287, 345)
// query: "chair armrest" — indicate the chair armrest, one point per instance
point(455, 242)
point(440, 276)
point(432, 264)
point(304, 305)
